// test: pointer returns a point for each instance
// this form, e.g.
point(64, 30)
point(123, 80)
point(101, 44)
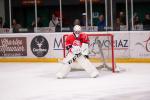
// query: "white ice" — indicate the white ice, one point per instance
point(37, 81)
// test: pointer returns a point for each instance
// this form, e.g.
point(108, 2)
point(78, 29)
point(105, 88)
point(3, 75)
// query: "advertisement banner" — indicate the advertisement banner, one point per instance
point(134, 44)
point(13, 46)
point(121, 44)
point(56, 45)
point(140, 44)
point(39, 46)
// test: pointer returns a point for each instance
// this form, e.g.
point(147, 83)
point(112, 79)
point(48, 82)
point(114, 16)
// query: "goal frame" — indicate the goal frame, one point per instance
point(112, 46)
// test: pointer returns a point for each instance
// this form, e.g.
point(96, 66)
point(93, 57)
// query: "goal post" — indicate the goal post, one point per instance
point(101, 50)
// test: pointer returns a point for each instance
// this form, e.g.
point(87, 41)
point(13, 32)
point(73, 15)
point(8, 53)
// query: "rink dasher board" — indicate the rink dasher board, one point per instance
point(130, 46)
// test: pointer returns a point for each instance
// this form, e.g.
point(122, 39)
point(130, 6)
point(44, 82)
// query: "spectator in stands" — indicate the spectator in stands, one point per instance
point(122, 18)
point(83, 19)
point(101, 23)
point(33, 25)
point(1, 22)
point(146, 22)
point(39, 22)
point(75, 22)
point(136, 20)
point(137, 23)
point(117, 24)
point(6, 24)
point(15, 26)
point(55, 22)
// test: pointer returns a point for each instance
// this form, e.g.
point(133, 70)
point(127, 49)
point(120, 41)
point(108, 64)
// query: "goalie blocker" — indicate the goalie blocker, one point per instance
point(77, 45)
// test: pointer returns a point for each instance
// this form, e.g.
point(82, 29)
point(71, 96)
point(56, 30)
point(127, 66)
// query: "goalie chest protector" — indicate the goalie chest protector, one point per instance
point(83, 38)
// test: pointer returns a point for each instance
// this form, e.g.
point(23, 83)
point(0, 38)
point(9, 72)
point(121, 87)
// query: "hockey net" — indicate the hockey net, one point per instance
point(101, 50)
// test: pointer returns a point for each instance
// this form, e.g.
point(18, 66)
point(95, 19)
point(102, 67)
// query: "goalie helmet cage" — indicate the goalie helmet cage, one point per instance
point(101, 49)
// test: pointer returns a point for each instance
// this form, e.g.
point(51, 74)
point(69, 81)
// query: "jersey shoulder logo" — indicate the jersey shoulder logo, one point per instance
point(76, 43)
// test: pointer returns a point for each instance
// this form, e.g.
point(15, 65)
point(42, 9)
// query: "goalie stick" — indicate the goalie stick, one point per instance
point(84, 51)
point(74, 58)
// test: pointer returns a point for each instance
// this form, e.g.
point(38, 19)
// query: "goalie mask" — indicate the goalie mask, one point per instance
point(76, 30)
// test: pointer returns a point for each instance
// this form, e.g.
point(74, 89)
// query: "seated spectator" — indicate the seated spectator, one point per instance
point(39, 22)
point(136, 20)
point(122, 18)
point(146, 22)
point(101, 23)
point(33, 25)
point(55, 22)
point(83, 19)
point(15, 26)
point(117, 24)
point(6, 24)
point(137, 23)
point(75, 22)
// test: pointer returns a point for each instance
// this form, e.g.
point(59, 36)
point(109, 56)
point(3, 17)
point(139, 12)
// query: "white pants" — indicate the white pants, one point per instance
point(82, 61)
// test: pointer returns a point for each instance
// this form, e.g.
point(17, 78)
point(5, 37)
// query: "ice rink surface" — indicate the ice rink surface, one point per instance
point(37, 81)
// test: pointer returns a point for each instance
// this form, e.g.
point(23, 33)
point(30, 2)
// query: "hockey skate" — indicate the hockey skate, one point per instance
point(94, 74)
point(59, 76)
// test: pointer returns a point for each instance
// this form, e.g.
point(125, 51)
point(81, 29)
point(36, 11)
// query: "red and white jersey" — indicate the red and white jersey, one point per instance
point(72, 40)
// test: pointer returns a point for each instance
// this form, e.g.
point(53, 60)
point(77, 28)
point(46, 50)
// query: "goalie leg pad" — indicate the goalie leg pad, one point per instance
point(87, 65)
point(65, 66)
point(64, 70)
point(69, 58)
